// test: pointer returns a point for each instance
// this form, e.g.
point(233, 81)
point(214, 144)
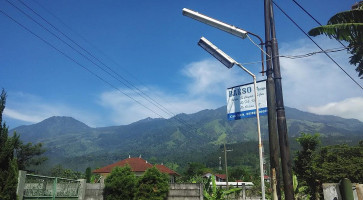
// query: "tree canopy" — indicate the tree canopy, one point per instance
point(8, 164)
point(120, 184)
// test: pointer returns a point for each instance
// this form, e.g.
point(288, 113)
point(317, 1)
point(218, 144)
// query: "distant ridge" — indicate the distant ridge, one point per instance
point(178, 138)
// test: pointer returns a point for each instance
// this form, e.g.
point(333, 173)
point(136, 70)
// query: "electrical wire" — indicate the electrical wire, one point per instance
point(314, 19)
point(316, 44)
point(258, 46)
point(75, 61)
point(153, 111)
point(130, 85)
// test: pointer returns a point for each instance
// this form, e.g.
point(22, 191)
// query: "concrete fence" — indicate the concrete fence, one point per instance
point(332, 192)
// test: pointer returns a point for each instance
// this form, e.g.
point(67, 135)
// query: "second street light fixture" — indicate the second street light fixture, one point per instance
point(229, 62)
point(215, 23)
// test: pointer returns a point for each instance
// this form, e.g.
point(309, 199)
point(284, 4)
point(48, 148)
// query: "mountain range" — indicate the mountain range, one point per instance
point(184, 137)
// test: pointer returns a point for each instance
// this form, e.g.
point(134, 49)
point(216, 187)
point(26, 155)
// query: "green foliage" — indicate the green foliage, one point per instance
point(8, 164)
point(346, 26)
point(315, 166)
point(340, 161)
point(60, 171)
point(240, 173)
point(195, 169)
point(29, 155)
point(120, 184)
point(300, 192)
point(305, 163)
point(212, 192)
point(153, 185)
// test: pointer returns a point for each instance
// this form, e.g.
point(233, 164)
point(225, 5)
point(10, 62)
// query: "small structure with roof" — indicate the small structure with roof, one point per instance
point(138, 166)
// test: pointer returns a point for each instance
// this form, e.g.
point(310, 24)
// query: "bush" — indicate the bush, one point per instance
point(153, 185)
point(120, 184)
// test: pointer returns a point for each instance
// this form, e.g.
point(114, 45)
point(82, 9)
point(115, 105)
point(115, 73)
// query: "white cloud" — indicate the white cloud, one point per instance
point(30, 109)
point(348, 108)
point(313, 84)
point(157, 104)
point(206, 81)
point(210, 77)
point(316, 82)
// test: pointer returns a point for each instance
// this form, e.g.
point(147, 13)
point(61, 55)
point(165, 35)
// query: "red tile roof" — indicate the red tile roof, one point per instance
point(165, 169)
point(136, 164)
point(221, 176)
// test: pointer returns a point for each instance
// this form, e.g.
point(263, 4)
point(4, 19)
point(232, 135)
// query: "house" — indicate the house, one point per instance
point(138, 166)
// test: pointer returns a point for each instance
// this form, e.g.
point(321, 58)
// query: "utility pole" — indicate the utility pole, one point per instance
point(280, 110)
point(225, 162)
point(271, 105)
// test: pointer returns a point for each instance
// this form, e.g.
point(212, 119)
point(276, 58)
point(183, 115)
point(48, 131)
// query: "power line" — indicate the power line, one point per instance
point(314, 19)
point(93, 73)
point(316, 44)
point(75, 61)
point(139, 92)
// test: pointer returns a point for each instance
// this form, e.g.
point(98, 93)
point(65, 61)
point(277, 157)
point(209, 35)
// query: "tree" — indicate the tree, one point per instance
point(153, 185)
point(88, 175)
point(120, 184)
point(347, 26)
point(60, 171)
point(305, 165)
point(340, 161)
point(212, 192)
point(29, 155)
point(8, 164)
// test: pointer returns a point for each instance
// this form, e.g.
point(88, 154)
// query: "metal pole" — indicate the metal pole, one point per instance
point(225, 162)
point(281, 118)
point(258, 131)
point(259, 141)
point(271, 105)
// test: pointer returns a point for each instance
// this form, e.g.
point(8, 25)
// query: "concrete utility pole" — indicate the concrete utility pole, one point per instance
point(271, 105)
point(225, 162)
point(280, 109)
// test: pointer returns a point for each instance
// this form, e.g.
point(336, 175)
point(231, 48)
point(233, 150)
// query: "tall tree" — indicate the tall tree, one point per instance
point(347, 26)
point(305, 163)
point(8, 164)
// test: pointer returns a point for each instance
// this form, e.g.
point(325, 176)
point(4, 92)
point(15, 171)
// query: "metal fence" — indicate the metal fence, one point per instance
point(45, 187)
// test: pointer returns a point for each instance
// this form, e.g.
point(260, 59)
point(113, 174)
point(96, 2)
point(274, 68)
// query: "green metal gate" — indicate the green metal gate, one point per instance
point(50, 188)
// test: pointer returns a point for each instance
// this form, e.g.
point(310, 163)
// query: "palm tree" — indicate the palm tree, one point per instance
point(347, 26)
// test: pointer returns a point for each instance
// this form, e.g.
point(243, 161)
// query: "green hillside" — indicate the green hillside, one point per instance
point(183, 138)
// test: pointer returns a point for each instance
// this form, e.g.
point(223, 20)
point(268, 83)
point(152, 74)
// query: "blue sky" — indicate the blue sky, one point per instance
point(153, 49)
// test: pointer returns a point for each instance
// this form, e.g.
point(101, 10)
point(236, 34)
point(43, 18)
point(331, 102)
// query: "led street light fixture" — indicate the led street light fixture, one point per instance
point(215, 23)
point(217, 53)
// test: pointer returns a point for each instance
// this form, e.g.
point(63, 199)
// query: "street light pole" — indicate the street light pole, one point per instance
point(229, 62)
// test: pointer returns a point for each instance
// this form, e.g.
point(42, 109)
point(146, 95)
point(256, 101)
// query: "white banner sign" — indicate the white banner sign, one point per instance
point(241, 100)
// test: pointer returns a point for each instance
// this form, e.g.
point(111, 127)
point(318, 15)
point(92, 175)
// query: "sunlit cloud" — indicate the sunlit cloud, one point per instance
point(348, 108)
point(209, 77)
point(157, 104)
point(30, 109)
point(315, 83)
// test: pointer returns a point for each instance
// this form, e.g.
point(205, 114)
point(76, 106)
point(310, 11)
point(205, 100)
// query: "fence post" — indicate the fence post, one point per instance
point(82, 189)
point(54, 188)
point(21, 184)
point(243, 191)
point(346, 190)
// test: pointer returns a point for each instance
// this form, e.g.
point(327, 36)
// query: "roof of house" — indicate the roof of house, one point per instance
point(136, 164)
point(221, 176)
